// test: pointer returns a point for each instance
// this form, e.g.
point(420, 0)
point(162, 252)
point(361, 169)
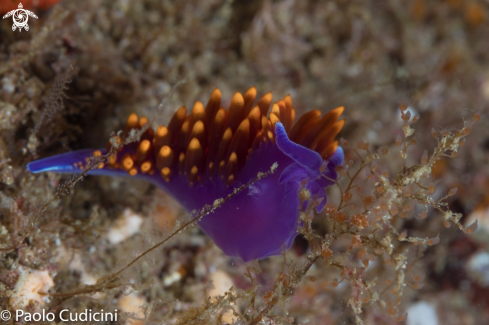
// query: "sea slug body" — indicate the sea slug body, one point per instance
point(203, 156)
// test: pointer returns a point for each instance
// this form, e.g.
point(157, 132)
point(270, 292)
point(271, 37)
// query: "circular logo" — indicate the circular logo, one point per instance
point(5, 315)
point(20, 18)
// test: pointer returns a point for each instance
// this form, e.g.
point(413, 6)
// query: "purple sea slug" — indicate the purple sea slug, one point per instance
point(205, 155)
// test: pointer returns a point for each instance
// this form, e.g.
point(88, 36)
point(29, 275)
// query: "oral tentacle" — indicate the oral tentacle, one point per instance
point(305, 157)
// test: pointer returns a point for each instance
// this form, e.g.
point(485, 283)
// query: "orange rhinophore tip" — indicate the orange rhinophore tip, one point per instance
point(300, 126)
point(162, 138)
point(132, 123)
point(274, 119)
point(97, 153)
point(164, 157)
point(197, 114)
point(142, 152)
point(193, 175)
point(146, 167)
point(193, 157)
point(329, 150)
point(213, 105)
point(112, 159)
point(232, 166)
point(127, 162)
point(249, 99)
point(240, 141)
point(327, 136)
point(264, 103)
point(236, 111)
point(181, 162)
point(275, 110)
point(177, 120)
point(198, 132)
point(143, 121)
point(165, 173)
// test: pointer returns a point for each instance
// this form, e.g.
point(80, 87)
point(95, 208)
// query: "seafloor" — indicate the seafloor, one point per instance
point(84, 66)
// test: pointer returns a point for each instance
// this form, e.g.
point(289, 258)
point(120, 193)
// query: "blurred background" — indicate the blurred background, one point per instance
point(115, 57)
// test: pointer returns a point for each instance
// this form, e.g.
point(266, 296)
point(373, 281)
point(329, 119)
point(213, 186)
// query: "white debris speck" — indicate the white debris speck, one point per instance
point(8, 85)
point(481, 214)
point(217, 202)
point(485, 88)
point(422, 313)
point(172, 278)
point(478, 268)
point(125, 226)
point(372, 136)
point(274, 167)
point(28, 286)
point(77, 265)
point(411, 110)
point(133, 303)
point(221, 282)
point(73, 261)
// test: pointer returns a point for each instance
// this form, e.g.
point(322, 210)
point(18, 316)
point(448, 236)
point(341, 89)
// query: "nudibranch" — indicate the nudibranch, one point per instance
point(203, 156)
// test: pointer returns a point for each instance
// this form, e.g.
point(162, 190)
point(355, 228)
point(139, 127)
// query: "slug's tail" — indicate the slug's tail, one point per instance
point(70, 162)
